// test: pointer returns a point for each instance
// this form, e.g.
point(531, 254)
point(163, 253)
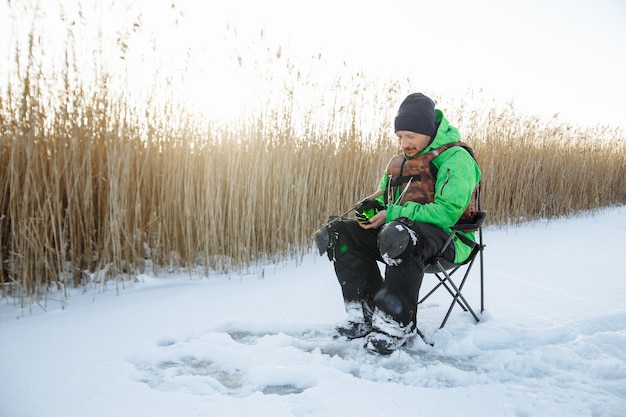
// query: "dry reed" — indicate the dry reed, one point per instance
point(96, 188)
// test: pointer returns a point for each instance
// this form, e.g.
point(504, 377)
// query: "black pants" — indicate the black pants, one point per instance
point(355, 259)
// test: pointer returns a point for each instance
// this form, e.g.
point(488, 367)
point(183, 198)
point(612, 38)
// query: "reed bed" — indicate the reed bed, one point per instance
point(98, 185)
point(92, 199)
point(535, 168)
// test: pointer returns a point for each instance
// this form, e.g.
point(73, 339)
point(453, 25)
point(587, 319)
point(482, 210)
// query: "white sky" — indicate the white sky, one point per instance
point(547, 56)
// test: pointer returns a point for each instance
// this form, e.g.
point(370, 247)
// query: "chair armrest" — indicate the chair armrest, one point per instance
point(473, 223)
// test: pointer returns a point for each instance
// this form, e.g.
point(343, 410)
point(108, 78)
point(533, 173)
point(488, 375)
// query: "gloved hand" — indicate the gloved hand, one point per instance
point(367, 211)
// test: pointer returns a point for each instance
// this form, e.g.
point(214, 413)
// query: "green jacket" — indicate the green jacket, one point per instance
point(457, 177)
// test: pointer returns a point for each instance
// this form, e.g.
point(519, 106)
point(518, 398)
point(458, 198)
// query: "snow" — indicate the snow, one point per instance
point(552, 341)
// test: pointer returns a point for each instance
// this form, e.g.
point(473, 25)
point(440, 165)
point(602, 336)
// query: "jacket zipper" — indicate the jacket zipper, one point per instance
point(445, 182)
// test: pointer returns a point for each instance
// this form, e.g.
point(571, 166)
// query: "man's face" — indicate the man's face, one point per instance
point(412, 143)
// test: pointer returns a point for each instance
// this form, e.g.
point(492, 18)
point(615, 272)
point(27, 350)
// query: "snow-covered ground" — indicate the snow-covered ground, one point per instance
point(552, 341)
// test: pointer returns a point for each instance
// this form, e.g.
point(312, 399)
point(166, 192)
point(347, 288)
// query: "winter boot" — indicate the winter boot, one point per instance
point(387, 335)
point(358, 323)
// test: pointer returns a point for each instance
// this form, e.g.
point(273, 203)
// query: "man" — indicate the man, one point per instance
point(428, 187)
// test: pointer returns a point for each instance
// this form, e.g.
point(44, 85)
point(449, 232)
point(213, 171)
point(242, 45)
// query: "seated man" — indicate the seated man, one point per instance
point(428, 187)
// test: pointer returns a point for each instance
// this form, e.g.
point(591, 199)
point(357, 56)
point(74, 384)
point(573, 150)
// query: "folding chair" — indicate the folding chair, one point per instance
point(445, 270)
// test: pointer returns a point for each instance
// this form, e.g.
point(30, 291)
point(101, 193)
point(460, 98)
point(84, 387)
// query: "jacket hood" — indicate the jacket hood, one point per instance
point(446, 133)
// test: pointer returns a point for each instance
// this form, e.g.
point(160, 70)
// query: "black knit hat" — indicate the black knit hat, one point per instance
point(417, 114)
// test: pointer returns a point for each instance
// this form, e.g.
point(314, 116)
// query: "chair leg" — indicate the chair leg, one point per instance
point(444, 275)
point(458, 297)
point(442, 282)
point(419, 332)
point(482, 266)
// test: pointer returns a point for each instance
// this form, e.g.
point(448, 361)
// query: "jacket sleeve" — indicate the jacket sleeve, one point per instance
point(383, 186)
point(457, 176)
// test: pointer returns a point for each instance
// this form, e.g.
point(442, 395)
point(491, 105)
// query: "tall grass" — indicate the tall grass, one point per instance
point(537, 168)
point(97, 188)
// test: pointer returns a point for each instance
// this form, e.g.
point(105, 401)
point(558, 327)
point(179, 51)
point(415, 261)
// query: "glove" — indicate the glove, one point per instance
point(367, 211)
